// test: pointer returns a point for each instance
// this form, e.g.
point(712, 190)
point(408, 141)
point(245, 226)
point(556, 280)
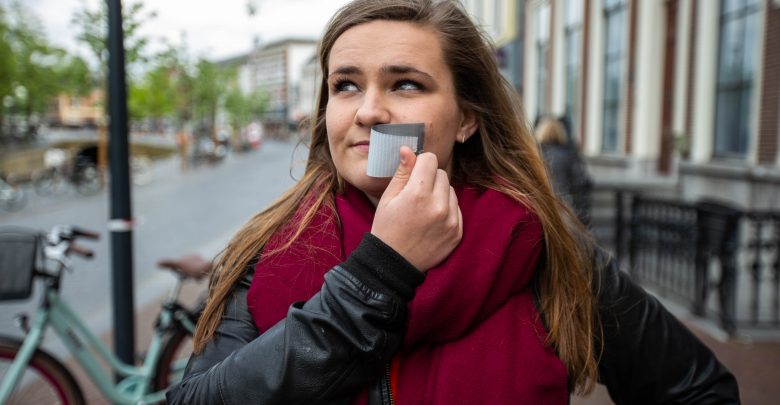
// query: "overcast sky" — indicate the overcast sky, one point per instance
point(214, 29)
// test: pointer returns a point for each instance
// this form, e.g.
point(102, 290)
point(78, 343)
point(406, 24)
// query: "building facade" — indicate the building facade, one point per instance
point(73, 111)
point(311, 75)
point(276, 69)
point(682, 93)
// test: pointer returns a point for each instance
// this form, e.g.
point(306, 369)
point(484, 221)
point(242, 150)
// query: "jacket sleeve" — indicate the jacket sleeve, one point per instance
point(322, 352)
point(649, 357)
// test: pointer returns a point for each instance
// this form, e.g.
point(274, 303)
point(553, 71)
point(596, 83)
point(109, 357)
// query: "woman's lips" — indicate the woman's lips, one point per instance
point(361, 147)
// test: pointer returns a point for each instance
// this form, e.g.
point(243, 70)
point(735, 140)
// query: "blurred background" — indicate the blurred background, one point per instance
point(673, 107)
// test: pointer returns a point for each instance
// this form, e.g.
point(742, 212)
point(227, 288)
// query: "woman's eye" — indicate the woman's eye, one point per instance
point(344, 86)
point(407, 85)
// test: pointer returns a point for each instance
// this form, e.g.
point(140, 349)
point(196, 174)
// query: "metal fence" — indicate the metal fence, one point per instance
point(722, 263)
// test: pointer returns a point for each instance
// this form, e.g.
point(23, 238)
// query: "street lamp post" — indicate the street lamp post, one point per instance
point(120, 224)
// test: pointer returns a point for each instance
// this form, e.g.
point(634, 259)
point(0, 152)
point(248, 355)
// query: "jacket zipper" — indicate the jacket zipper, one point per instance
point(387, 387)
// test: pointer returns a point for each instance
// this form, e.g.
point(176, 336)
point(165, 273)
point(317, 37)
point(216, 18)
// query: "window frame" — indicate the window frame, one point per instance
point(743, 87)
point(613, 109)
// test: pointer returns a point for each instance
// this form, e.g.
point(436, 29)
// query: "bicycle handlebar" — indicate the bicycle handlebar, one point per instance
point(61, 242)
point(61, 233)
point(84, 233)
point(80, 250)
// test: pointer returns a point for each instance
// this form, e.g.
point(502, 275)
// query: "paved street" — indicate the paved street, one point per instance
point(178, 213)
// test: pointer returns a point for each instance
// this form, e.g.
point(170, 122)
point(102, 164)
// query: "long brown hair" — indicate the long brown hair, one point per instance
point(501, 155)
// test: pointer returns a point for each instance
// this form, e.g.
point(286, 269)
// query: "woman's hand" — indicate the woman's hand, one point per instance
point(418, 215)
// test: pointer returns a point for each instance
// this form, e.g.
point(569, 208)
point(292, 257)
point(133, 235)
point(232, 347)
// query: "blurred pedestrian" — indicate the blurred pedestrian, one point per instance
point(459, 280)
point(183, 140)
point(254, 135)
point(567, 171)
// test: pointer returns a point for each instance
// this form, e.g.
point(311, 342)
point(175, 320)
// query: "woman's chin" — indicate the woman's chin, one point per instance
point(373, 187)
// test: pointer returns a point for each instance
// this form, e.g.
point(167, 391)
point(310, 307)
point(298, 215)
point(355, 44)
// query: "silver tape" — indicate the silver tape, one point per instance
point(386, 141)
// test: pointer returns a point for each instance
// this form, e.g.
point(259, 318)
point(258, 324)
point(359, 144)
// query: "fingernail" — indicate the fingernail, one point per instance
point(403, 160)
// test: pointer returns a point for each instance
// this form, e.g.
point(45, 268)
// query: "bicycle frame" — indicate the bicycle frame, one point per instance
point(88, 350)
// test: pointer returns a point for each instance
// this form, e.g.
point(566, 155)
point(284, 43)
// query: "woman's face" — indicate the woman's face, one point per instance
point(390, 72)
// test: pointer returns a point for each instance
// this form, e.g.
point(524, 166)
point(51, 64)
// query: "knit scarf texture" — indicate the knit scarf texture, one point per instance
point(474, 333)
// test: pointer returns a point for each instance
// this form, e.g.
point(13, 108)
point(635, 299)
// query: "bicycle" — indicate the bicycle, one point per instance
point(32, 375)
point(82, 173)
point(141, 170)
point(12, 197)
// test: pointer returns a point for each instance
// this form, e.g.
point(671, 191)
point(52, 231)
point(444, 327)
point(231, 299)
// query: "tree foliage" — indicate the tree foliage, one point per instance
point(6, 64)
point(208, 85)
point(92, 26)
point(32, 73)
point(242, 108)
point(166, 88)
point(163, 91)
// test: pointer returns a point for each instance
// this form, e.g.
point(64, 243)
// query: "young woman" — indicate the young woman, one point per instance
point(461, 279)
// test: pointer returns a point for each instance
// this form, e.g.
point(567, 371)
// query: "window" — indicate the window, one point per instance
point(739, 22)
point(572, 48)
point(542, 56)
point(615, 13)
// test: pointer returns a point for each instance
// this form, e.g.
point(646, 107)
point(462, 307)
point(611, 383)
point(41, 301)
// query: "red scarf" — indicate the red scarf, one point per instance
point(474, 333)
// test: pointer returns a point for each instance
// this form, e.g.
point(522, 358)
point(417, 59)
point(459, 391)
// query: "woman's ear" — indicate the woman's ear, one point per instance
point(468, 125)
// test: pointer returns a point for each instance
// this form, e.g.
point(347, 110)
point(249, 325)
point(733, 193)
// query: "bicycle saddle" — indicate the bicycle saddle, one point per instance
point(190, 266)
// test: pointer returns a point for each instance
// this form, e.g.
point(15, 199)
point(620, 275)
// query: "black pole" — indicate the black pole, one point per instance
point(121, 218)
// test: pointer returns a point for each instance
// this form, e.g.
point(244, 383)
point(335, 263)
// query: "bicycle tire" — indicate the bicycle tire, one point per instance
point(87, 181)
point(141, 170)
point(12, 199)
point(176, 350)
point(46, 182)
point(46, 380)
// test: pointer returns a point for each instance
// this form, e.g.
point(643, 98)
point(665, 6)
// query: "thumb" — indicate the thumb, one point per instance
point(402, 174)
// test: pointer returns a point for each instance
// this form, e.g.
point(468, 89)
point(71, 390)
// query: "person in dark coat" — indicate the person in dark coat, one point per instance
point(567, 171)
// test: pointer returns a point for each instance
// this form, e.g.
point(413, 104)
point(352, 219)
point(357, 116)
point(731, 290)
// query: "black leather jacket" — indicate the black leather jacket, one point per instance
point(340, 340)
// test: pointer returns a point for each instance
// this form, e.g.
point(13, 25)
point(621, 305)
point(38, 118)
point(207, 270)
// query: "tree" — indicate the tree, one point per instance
point(164, 91)
point(75, 75)
point(155, 97)
point(243, 108)
point(93, 32)
point(208, 84)
point(6, 66)
point(33, 72)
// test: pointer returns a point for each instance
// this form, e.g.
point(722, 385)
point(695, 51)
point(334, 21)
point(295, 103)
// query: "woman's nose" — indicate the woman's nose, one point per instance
point(372, 110)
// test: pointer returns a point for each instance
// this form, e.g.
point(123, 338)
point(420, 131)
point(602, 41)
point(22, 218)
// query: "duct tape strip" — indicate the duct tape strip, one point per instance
point(121, 225)
point(385, 143)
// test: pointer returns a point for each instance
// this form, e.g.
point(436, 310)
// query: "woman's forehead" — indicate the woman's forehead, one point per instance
point(387, 43)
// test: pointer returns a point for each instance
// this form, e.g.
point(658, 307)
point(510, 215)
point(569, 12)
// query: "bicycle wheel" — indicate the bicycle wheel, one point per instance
point(141, 170)
point(87, 181)
point(177, 348)
point(47, 182)
point(45, 381)
point(12, 198)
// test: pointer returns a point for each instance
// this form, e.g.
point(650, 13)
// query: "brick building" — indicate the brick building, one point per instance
point(679, 93)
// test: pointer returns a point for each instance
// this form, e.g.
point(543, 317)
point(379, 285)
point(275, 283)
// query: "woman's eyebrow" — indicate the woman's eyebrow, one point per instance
point(346, 70)
point(404, 69)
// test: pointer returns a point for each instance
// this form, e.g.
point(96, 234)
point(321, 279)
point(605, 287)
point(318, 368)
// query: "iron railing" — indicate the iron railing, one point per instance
point(722, 263)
